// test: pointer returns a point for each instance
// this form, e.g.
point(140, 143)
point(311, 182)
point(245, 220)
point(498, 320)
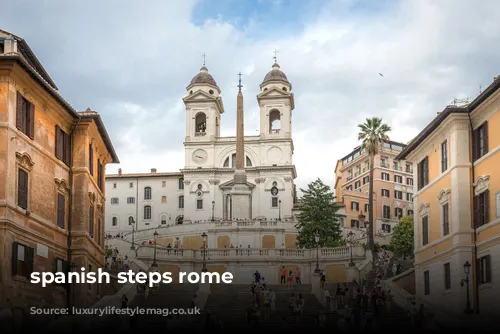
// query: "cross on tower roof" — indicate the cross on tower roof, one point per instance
point(204, 58)
point(275, 52)
point(239, 83)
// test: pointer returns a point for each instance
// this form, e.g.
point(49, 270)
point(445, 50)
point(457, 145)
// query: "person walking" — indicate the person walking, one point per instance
point(297, 276)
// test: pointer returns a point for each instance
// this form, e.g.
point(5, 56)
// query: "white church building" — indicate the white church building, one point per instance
point(199, 197)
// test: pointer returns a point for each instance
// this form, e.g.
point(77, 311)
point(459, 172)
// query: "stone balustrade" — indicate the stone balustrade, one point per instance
point(249, 254)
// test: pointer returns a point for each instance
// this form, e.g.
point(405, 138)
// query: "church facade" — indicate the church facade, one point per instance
point(203, 192)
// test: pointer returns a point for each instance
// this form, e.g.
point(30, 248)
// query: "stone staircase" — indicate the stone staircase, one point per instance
point(229, 303)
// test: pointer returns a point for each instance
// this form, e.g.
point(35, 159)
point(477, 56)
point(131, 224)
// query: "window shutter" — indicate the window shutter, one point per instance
point(22, 189)
point(58, 142)
point(91, 221)
point(475, 145)
point(61, 208)
point(426, 174)
point(475, 207)
point(14, 257)
point(91, 159)
point(19, 111)
point(487, 269)
point(67, 149)
point(486, 195)
point(31, 121)
point(485, 136)
point(29, 260)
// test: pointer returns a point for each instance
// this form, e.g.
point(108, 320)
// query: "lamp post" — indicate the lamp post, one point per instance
point(468, 309)
point(213, 208)
point(279, 210)
point(350, 237)
point(204, 239)
point(316, 239)
point(155, 235)
point(133, 234)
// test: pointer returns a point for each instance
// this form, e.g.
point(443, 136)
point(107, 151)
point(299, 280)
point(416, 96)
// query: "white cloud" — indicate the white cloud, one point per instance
point(133, 65)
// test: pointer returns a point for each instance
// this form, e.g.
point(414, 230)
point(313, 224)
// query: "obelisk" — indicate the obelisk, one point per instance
point(240, 193)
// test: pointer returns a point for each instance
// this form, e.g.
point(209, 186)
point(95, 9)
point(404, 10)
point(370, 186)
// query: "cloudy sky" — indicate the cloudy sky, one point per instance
point(131, 61)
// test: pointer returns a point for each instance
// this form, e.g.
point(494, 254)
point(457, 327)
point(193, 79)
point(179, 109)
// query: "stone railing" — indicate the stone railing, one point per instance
point(248, 254)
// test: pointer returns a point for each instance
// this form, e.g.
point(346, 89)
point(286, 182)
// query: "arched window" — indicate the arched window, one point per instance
point(201, 122)
point(274, 121)
point(147, 212)
point(163, 220)
point(131, 220)
point(179, 220)
point(181, 202)
point(147, 193)
point(114, 221)
point(248, 162)
point(181, 183)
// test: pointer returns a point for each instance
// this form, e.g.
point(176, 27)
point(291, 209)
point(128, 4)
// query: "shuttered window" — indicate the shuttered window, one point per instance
point(61, 210)
point(447, 276)
point(91, 159)
point(25, 116)
point(423, 173)
point(485, 269)
point(446, 219)
point(22, 260)
point(425, 230)
point(22, 189)
point(62, 147)
point(480, 141)
point(91, 221)
point(482, 208)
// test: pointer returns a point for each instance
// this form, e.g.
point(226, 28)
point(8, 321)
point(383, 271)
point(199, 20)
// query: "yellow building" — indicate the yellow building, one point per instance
point(52, 168)
point(457, 205)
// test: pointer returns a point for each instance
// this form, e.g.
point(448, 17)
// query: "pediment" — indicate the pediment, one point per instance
point(274, 92)
point(199, 95)
point(229, 184)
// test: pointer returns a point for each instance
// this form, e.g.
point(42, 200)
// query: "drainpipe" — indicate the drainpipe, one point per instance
point(70, 205)
point(476, 268)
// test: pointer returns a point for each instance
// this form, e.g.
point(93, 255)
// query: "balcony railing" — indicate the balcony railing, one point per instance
point(200, 134)
point(274, 131)
point(384, 165)
point(247, 254)
point(398, 168)
point(409, 170)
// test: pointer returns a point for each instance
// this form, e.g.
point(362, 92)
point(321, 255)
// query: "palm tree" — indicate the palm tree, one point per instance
point(373, 133)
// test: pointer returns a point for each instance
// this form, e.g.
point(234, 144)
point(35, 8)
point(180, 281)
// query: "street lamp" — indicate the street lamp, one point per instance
point(465, 281)
point(204, 239)
point(133, 234)
point(279, 210)
point(350, 237)
point(213, 208)
point(155, 235)
point(316, 239)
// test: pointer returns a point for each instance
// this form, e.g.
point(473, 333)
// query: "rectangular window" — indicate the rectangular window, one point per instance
point(446, 219)
point(385, 193)
point(147, 212)
point(398, 179)
point(385, 176)
point(398, 194)
point(22, 260)
point(399, 213)
point(164, 199)
point(423, 173)
point(163, 184)
point(485, 269)
point(91, 221)
point(114, 185)
point(444, 156)
point(354, 223)
point(274, 202)
point(447, 276)
point(481, 208)
point(63, 151)
point(199, 204)
point(100, 173)
point(425, 230)
point(427, 283)
point(91, 159)
point(410, 212)
point(366, 179)
point(25, 116)
point(354, 206)
point(367, 207)
point(130, 200)
point(22, 189)
point(480, 141)
point(61, 210)
point(357, 184)
point(99, 231)
point(409, 181)
point(181, 202)
point(130, 185)
point(387, 212)
point(409, 197)
point(114, 200)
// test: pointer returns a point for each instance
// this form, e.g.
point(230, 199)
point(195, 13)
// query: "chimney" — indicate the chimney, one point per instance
point(153, 170)
point(119, 171)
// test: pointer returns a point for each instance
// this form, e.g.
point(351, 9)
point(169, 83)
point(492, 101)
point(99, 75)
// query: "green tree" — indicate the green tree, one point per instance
point(373, 133)
point(318, 214)
point(402, 236)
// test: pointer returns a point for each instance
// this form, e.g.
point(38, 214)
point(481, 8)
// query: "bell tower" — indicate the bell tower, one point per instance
point(204, 108)
point(276, 104)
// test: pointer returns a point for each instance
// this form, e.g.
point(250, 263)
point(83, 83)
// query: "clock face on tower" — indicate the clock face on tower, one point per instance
point(200, 155)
